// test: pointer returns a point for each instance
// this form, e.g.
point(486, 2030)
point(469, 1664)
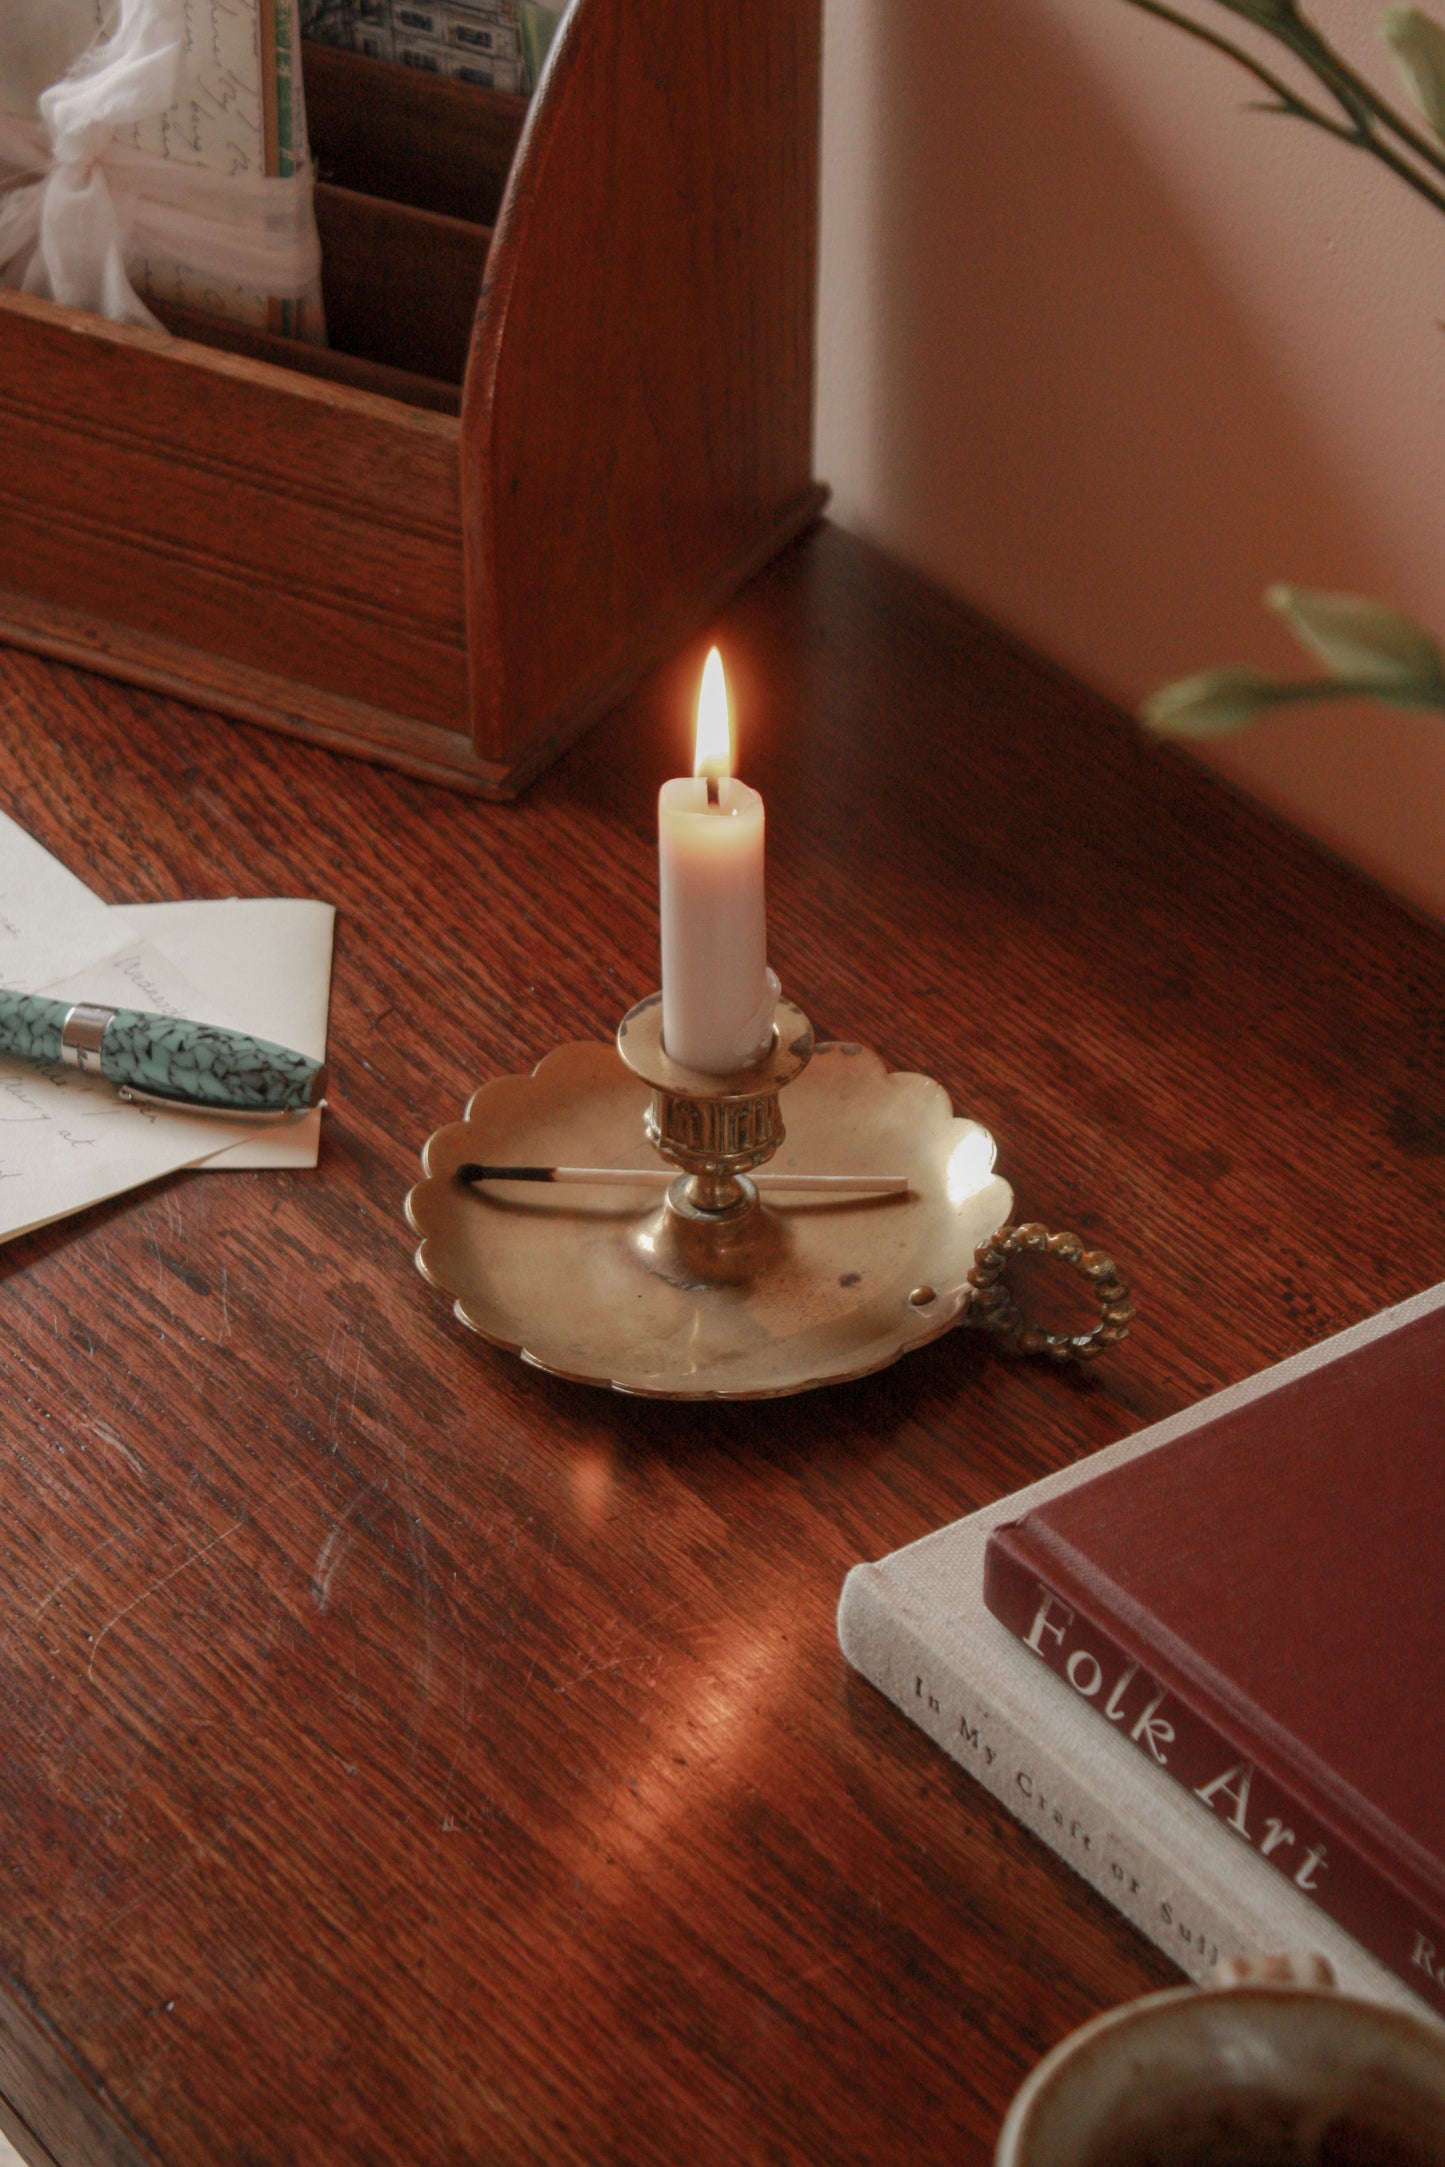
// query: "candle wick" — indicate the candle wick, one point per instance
point(713, 796)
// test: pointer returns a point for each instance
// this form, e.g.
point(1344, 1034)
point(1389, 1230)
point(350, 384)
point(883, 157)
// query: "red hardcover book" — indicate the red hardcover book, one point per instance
point(1258, 1605)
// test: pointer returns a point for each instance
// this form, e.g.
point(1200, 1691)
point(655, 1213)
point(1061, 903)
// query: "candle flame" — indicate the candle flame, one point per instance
point(714, 755)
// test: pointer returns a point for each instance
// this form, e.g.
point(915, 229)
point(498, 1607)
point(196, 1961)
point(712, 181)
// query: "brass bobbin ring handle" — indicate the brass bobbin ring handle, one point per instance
point(994, 1309)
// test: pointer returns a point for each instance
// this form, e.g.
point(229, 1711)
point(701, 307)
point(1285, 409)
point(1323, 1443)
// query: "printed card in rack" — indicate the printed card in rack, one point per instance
point(237, 119)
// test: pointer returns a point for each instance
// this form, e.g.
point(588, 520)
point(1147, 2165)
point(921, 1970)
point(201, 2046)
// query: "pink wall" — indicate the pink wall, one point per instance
point(1106, 354)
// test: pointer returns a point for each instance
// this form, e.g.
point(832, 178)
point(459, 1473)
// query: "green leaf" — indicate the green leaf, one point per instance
point(1418, 44)
point(1359, 639)
point(1211, 705)
point(537, 26)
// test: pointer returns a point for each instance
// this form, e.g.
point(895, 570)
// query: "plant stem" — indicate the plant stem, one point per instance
point(1364, 109)
point(1359, 97)
point(1288, 100)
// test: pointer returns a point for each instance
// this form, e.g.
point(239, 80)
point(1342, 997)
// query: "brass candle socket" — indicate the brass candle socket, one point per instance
point(715, 1128)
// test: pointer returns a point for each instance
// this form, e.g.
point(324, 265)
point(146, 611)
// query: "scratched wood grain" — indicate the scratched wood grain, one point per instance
point(409, 1757)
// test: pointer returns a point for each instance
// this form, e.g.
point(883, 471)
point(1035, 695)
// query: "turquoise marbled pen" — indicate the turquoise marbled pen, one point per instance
point(161, 1060)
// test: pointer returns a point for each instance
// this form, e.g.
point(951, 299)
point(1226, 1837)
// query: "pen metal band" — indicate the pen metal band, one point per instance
point(81, 1036)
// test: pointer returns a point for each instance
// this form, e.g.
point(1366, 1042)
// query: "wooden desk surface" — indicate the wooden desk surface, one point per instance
point(408, 1757)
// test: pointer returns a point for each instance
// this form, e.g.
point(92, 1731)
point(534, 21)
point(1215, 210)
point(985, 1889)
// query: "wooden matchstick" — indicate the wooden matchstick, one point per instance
point(652, 1177)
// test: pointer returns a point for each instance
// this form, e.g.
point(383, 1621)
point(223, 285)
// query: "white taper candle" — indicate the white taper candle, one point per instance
point(718, 994)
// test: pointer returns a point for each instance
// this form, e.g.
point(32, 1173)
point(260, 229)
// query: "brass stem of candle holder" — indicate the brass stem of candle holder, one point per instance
point(715, 1128)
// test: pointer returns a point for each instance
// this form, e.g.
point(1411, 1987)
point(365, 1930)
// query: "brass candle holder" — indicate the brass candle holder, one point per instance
point(716, 1129)
point(706, 1285)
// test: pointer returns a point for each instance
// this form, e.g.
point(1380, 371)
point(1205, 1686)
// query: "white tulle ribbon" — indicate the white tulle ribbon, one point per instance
point(94, 202)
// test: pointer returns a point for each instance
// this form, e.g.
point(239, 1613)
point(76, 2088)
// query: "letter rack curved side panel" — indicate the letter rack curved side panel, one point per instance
point(637, 411)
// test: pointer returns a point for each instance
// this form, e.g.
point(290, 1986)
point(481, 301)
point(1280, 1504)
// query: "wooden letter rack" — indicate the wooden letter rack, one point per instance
point(566, 409)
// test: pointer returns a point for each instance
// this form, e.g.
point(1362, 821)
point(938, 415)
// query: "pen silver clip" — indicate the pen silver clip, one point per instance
point(249, 1116)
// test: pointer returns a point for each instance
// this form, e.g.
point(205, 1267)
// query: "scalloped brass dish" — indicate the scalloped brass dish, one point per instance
point(612, 1287)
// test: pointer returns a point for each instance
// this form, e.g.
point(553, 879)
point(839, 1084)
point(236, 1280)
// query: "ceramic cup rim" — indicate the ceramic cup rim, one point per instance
point(1021, 2122)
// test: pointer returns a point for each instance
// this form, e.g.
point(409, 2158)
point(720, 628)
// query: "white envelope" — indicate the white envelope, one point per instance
point(263, 966)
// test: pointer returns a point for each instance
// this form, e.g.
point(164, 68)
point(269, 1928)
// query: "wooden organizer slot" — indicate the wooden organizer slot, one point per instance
point(566, 410)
